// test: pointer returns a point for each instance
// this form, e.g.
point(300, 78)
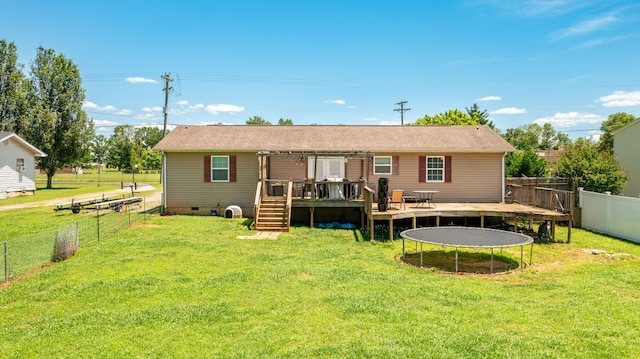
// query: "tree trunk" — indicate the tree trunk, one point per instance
point(49, 180)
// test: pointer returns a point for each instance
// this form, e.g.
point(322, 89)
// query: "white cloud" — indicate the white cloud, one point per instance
point(337, 102)
point(509, 111)
point(621, 99)
point(105, 123)
point(586, 26)
point(123, 112)
point(183, 102)
point(145, 116)
point(152, 109)
point(389, 123)
point(223, 108)
point(196, 107)
point(570, 119)
point(489, 98)
point(370, 119)
point(140, 80)
point(92, 106)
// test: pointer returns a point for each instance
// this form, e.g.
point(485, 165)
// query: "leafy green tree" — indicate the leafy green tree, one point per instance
point(535, 137)
point(482, 117)
point(257, 120)
point(590, 168)
point(12, 92)
point(451, 117)
point(121, 144)
point(57, 123)
point(525, 163)
point(131, 146)
point(287, 122)
point(614, 122)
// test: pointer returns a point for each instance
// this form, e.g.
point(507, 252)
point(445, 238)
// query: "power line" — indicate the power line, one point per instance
point(402, 110)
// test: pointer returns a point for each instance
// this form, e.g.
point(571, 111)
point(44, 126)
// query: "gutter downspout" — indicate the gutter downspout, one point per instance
point(163, 179)
point(503, 178)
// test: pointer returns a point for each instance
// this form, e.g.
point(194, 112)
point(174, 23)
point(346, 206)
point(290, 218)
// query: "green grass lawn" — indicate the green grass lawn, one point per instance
point(185, 286)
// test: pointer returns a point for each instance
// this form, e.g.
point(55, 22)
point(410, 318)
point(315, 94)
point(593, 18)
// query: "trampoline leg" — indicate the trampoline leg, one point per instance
point(521, 256)
point(402, 248)
point(456, 259)
point(491, 270)
point(531, 255)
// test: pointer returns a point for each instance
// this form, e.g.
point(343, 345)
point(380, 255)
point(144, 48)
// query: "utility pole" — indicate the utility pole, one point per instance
point(402, 110)
point(166, 89)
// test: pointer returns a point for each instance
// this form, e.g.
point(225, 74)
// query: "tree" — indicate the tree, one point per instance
point(534, 137)
point(287, 122)
point(57, 123)
point(130, 147)
point(525, 163)
point(614, 122)
point(590, 168)
point(482, 117)
point(257, 120)
point(12, 91)
point(451, 117)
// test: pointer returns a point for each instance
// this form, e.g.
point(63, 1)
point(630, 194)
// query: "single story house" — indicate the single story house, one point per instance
point(17, 165)
point(626, 146)
point(326, 170)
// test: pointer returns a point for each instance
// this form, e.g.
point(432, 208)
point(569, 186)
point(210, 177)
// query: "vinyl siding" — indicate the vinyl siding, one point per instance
point(186, 188)
point(475, 177)
point(626, 146)
point(10, 179)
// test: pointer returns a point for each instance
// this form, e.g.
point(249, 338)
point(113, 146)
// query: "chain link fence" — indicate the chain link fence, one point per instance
point(23, 254)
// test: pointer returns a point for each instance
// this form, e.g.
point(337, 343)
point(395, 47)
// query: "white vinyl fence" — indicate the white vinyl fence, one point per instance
point(613, 215)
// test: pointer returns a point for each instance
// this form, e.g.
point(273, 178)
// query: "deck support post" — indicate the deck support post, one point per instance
point(312, 214)
point(391, 229)
point(569, 231)
point(481, 221)
point(553, 230)
point(437, 221)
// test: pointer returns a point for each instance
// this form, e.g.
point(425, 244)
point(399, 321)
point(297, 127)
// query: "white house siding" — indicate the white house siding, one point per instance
point(626, 144)
point(475, 177)
point(187, 192)
point(12, 181)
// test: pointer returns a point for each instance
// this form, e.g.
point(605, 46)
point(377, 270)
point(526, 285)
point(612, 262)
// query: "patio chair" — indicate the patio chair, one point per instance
point(397, 196)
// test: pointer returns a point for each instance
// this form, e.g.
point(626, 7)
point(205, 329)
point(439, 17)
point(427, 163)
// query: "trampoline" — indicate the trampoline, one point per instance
point(468, 237)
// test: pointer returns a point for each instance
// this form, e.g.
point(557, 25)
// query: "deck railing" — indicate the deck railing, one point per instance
point(309, 189)
point(542, 197)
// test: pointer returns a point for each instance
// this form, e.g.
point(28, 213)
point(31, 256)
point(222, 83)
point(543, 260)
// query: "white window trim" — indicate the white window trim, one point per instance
point(444, 165)
point(390, 165)
point(219, 168)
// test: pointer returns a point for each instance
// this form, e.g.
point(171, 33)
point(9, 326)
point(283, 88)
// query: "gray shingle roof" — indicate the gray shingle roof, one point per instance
point(333, 138)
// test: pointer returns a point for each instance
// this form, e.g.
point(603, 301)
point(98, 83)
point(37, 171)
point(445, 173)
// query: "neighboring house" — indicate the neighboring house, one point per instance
point(17, 165)
point(326, 168)
point(626, 147)
point(551, 155)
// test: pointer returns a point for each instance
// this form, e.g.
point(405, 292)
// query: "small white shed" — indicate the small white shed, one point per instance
point(17, 165)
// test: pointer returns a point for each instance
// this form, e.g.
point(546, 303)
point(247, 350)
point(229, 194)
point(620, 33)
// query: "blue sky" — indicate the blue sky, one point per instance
point(570, 63)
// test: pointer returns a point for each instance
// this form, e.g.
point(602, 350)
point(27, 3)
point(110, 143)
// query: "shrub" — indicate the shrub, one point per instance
point(65, 245)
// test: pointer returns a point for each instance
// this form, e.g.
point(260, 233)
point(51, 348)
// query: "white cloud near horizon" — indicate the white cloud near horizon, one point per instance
point(570, 119)
point(140, 80)
point(586, 26)
point(489, 98)
point(152, 109)
point(370, 119)
point(105, 123)
point(336, 102)
point(223, 108)
point(620, 99)
point(389, 123)
point(183, 102)
point(509, 111)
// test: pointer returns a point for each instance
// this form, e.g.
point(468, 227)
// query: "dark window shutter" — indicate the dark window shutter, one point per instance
point(395, 162)
point(447, 168)
point(232, 168)
point(207, 168)
point(422, 169)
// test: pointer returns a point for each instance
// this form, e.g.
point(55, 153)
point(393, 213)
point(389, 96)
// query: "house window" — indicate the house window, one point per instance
point(328, 167)
point(435, 169)
point(382, 165)
point(219, 168)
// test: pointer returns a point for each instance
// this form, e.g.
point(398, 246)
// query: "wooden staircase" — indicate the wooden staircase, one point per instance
point(272, 215)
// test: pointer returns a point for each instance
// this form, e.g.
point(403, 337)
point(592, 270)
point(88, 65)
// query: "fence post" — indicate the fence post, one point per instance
point(6, 262)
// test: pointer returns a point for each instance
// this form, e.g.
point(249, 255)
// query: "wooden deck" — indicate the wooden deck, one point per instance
point(510, 212)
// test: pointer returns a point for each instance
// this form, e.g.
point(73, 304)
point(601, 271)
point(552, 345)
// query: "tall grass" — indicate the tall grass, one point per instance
point(185, 286)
